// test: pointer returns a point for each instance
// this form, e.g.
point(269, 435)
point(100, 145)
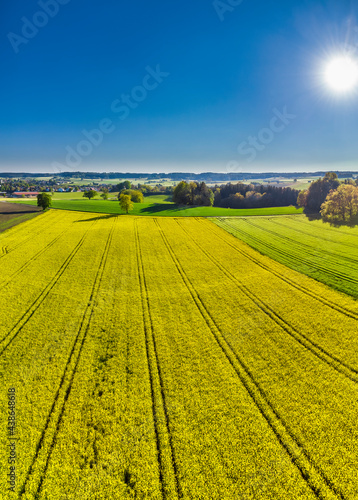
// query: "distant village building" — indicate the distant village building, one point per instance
point(26, 194)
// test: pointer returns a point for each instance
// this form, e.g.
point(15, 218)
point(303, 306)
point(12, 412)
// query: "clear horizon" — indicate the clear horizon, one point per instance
point(186, 168)
point(181, 87)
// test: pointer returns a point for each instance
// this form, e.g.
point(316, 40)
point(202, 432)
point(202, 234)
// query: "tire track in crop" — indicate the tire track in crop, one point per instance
point(165, 450)
point(286, 256)
point(331, 229)
point(38, 254)
point(16, 329)
point(300, 260)
point(317, 350)
point(328, 303)
point(346, 244)
point(47, 441)
point(321, 486)
point(42, 228)
point(299, 243)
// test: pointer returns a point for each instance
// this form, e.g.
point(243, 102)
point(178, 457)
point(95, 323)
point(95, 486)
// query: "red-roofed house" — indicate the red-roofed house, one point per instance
point(27, 194)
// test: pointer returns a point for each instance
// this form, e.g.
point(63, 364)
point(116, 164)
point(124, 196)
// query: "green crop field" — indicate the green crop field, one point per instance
point(327, 254)
point(154, 205)
point(163, 358)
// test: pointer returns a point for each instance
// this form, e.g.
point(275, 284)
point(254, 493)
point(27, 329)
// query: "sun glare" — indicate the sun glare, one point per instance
point(341, 74)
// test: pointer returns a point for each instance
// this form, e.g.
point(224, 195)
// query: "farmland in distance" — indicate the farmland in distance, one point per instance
point(154, 205)
point(163, 358)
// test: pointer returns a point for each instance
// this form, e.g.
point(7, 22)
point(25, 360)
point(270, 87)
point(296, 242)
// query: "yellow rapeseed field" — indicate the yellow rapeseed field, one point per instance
point(162, 358)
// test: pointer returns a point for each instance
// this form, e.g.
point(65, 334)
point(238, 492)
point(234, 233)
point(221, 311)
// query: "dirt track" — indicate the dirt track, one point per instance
point(13, 213)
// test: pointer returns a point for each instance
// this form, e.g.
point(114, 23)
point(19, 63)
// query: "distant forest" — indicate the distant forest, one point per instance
point(234, 195)
point(254, 196)
point(178, 176)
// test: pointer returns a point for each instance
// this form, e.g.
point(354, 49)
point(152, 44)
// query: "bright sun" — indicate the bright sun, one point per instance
point(342, 74)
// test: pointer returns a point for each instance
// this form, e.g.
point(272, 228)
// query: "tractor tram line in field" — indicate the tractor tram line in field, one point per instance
point(287, 255)
point(162, 358)
point(306, 233)
point(330, 229)
point(38, 231)
point(165, 450)
point(299, 243)
point(54, 418)
point(36, 256)
point(321, 486)
point(41, 297)
point(332, 305)
point(334, 362)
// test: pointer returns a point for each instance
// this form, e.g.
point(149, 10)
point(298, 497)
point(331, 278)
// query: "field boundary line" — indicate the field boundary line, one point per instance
point(165, 450)
point(320, 485)
point(54, 418)
point(15, 330)
point(301, 288)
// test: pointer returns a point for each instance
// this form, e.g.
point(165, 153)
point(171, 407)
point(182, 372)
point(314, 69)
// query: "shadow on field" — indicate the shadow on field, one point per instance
point(352, 223)
point(100, 217)
point(315, 216)
point(159, 207)
point(19, 212)
point(312, 215)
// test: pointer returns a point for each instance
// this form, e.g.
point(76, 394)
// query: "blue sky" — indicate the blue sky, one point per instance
point(175, 86)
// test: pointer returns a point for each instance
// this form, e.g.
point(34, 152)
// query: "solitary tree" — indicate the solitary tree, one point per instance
point(104, 194)
point(136, 196)
point(90, 194)
point(125, 203)
point(44, 200)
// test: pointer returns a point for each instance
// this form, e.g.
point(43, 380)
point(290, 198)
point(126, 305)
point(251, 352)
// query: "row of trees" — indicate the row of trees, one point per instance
point(234, 195)
point(241, 195)
point(143, 188)
point(335, 201)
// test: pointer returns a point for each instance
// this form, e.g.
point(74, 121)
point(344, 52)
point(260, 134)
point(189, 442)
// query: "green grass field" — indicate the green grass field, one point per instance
point(325, 253)
point(155, 205)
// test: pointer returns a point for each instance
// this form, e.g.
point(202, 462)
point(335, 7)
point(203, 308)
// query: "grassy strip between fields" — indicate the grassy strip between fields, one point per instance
point(160, 207)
